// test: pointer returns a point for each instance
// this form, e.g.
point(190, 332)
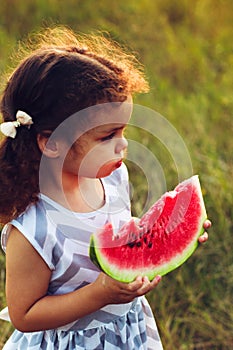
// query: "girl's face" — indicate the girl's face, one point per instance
point(100, 150)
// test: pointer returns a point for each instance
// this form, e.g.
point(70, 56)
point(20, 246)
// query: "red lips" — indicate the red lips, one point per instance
point(118, 164)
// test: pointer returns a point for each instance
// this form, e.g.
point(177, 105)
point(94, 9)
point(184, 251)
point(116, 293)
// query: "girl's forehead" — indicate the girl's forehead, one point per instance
point(111, 115)
point(106, 128)
point(100, 117)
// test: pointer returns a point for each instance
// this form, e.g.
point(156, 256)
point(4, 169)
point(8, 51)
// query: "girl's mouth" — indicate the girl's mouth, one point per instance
point(118, 164)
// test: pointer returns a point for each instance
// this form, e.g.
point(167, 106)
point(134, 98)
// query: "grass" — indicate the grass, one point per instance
point(187, 50)
point(5, 327)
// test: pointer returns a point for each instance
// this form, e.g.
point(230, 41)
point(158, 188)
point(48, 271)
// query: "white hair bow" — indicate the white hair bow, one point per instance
point(9, 129)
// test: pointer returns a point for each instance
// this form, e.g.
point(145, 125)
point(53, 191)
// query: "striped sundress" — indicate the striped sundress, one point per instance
point(61, 237)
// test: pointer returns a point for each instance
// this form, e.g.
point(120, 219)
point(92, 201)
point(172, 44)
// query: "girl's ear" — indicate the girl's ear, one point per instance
point(48, 147)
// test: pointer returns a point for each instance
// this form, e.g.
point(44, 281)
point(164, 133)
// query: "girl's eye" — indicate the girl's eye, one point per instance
point(108, 137)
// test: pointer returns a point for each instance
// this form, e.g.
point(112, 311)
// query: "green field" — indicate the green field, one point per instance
point(186, 47)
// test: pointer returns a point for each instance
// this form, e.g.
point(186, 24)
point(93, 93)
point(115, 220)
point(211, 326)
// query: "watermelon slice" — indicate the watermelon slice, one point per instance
point(163, 239)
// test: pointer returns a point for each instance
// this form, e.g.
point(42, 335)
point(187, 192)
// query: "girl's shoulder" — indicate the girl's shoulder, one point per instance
point(33, 224)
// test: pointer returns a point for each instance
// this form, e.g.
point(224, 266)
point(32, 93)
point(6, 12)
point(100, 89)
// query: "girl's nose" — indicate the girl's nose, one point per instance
point(121, 145)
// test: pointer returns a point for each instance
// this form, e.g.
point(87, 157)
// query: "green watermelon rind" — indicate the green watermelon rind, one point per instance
point(127, 275)
point(92, 253)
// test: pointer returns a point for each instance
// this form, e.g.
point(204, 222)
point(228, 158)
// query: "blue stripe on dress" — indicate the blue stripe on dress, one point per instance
point(41, 226)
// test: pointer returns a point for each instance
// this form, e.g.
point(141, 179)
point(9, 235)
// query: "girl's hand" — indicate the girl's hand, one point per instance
point(115, 292)
point(203, 238)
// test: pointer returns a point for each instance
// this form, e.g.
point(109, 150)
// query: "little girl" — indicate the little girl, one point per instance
point(65, 108)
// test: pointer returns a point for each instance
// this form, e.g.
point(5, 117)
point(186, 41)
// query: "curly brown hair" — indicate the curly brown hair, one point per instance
point(61, 74)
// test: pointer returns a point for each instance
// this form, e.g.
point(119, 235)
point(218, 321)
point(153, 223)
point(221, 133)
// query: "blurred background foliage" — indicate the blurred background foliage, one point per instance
point(186, 47)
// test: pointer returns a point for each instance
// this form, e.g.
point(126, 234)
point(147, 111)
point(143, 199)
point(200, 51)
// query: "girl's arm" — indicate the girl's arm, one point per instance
point(27, 280)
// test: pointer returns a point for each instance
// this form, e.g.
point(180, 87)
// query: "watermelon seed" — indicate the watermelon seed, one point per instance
point(149, 245)
point(138, 244)
point(131, 244)
point(145, 240)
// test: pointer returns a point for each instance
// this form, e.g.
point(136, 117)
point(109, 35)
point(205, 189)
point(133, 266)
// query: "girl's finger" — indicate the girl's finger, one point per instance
point(147, 285)
point(156, 280)
point(135, 285)
point(207, 224)
point(203, 238)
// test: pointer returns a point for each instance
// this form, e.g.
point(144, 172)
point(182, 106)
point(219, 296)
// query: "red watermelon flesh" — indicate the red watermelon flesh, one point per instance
point(163, 239)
